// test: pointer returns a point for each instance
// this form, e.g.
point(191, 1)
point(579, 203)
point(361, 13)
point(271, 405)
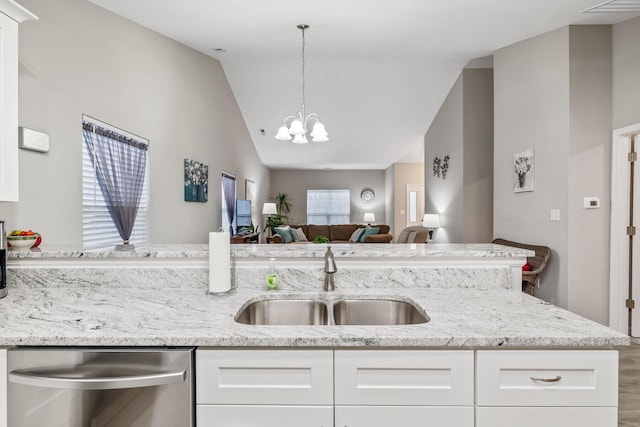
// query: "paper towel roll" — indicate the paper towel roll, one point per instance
point(219, 262)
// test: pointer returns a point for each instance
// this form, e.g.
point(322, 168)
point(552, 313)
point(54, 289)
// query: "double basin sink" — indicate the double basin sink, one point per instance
point(343, 311)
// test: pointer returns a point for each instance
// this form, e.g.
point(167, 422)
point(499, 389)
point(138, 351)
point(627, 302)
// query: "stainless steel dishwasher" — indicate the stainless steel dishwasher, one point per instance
point(114, 387)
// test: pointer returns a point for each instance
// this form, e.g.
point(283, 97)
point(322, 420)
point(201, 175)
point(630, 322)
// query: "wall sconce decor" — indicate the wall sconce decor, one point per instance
point(441, 166)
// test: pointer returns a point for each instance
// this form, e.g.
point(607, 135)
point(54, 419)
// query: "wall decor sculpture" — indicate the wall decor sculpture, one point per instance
point(196, 181)
point(523, 171)
point(441, 166)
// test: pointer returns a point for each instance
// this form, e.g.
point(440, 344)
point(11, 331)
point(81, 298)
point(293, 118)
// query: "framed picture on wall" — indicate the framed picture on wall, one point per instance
point(523, 171)
point(249, 190)
point(196, 181)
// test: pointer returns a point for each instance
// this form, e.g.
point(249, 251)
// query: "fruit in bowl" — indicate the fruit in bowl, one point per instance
point(23, 239)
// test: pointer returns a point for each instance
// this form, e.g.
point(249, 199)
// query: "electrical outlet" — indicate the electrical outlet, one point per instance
point(554, 215)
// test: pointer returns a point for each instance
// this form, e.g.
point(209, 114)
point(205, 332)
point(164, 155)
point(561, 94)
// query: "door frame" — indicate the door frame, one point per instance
point(619, 247)
point(420, 201)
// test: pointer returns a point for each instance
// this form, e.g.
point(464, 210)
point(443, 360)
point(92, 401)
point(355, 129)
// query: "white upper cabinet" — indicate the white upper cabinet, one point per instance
point(12, 14)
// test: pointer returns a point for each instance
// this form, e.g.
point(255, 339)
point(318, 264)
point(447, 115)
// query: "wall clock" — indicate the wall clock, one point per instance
point(367, 195)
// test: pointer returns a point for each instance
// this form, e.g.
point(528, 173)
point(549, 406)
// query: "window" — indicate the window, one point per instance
point(326, 207)
point(99, 229)
point(228, 201)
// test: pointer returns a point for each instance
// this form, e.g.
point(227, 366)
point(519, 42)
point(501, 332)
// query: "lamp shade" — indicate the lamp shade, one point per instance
point(369, 217)
point(431, 221)
point(283, 134)
point(269, 209)
point(300, 139)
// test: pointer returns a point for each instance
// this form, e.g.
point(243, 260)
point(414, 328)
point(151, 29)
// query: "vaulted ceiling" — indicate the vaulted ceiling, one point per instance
point(377, 71)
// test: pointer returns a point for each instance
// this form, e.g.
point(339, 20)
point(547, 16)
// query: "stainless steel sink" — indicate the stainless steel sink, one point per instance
point(343, 311)
point(284, 312)
point(377, 312)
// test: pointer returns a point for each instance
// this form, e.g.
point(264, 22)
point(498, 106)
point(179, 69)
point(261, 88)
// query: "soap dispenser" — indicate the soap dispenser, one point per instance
point(3, 261)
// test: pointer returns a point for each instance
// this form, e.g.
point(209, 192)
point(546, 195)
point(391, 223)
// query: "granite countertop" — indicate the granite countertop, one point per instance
point(169, 306)
point(310, 250)
point(107, 316)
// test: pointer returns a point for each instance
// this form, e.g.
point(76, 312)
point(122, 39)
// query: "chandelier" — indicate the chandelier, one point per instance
point(296, 131)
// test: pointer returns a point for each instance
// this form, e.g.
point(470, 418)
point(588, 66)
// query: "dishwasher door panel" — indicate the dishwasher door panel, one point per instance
point(100, 388)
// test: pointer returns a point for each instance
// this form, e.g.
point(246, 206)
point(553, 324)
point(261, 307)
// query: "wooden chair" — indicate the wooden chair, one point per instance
point(530, 279)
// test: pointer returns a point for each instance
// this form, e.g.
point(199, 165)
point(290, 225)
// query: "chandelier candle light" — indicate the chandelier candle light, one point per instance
point(298, 124)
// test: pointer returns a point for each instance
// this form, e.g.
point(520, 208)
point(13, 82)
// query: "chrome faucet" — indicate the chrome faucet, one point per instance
point(329, 269)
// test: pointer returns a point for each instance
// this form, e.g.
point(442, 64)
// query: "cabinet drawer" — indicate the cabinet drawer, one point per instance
point(547, 378)
point(547, 417)
point(407, 377)
point(263, 416)
point(303, 377)
point(405, 416)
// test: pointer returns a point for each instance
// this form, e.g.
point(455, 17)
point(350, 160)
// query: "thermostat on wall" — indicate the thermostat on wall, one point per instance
point(591, 203)
point(30, 139)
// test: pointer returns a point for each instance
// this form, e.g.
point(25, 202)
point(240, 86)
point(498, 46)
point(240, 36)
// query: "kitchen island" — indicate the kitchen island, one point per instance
point(157, 296)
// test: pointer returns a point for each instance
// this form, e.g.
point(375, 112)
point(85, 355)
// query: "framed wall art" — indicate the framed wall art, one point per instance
point(523, 171)
point(196, 181)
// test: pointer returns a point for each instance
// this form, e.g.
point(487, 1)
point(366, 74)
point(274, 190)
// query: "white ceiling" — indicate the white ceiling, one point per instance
point(377, 70)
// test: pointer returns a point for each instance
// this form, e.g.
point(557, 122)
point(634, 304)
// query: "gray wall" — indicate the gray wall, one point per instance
point(463, 129)
point(79, 58)
point(559, 105)
point(296, 183)
point(532, 111)
point(445, 137)
point(626, 77)
point(589, 170)
point(478, 155)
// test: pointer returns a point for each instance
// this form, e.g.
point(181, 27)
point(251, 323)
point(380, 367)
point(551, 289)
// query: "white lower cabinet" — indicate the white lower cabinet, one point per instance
point(404, 416)
point(547, 417)
point(3, 387)
point(405, 388)
point(263, 416)
point(553, 388)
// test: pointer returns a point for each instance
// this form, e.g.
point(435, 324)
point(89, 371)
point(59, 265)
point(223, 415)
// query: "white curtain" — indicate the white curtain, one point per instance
point(325, 207)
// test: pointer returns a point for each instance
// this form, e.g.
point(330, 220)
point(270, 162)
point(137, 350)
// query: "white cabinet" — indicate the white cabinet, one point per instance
point(404, 416)
point(284, 388)
point(551, 388)
point(378, 388)
point(263, 416)
point(408, 388)
point(11, 14)
point(3, 387)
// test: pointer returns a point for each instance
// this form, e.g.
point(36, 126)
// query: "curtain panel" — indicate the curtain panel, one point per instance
point(119, 163)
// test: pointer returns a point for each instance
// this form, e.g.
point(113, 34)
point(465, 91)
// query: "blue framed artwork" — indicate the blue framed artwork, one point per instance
point(196, 181)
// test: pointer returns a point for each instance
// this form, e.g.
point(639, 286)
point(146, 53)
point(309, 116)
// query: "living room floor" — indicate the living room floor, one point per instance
point(629, 385)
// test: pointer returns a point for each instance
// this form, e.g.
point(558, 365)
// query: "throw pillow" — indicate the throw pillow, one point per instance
point(369, 231)
point(298, 235)
point(356, 235)
point(285, 232)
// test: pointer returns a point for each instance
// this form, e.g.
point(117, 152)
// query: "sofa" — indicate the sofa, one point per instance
point(338, 233)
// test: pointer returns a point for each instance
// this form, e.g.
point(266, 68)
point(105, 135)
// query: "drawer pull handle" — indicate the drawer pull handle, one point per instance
point(547, 380)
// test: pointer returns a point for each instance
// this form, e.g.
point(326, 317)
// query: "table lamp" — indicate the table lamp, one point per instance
point(431, 221)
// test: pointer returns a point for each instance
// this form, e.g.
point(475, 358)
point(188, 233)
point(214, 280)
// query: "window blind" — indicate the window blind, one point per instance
point(98, 229)
point(326, 207)
point(227, 185)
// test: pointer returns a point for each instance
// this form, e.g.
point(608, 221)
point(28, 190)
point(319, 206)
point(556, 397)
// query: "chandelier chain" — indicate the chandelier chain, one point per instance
point(303, 82)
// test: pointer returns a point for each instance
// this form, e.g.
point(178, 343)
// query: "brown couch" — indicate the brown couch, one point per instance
point(340, 233)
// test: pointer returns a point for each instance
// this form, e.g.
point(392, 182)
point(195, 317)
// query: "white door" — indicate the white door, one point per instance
point(634, 241)
point(624, 283)
point(415, 204)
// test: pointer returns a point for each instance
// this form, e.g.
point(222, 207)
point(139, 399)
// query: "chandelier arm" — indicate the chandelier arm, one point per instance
point(284, 122)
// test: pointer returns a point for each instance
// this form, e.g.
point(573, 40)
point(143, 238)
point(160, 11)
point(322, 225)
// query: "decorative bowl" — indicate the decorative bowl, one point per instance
point(23, 242)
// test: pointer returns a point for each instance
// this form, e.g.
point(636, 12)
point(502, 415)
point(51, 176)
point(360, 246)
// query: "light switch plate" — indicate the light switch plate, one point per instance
point(591, 203)
point(554, 215)
point(30, 139)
